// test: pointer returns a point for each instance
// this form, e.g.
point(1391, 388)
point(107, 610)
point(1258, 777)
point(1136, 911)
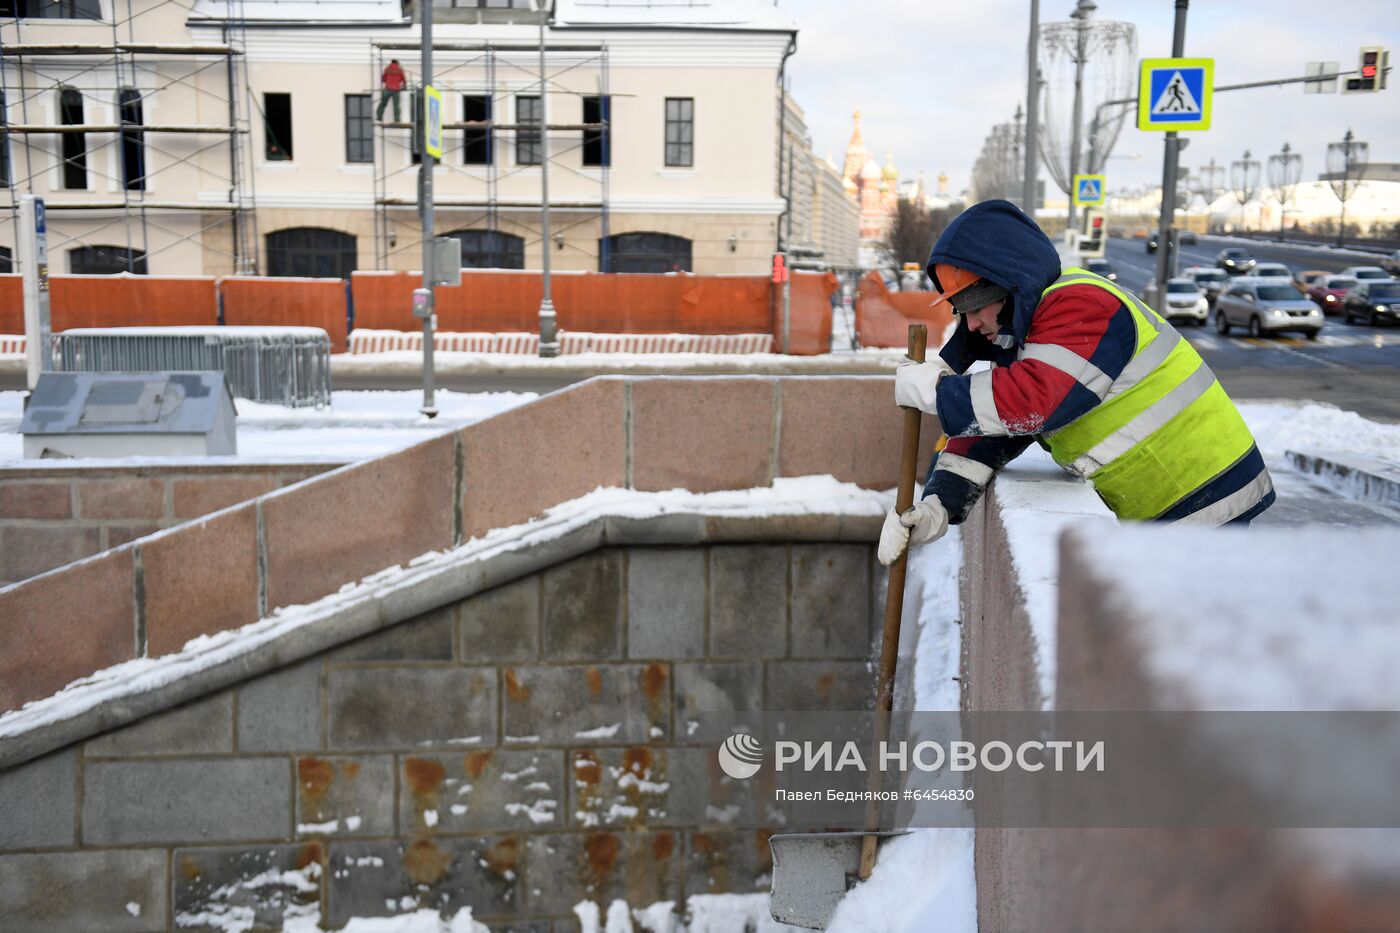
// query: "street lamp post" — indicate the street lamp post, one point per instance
point(549, 324)
point(1212, 184)
point(1244, 180)
point(1081, 14)
point(1285, 170)
point(1032, 113)
point(1348, 160)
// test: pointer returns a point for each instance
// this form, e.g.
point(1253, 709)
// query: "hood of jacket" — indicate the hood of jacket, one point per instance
point(996, 240)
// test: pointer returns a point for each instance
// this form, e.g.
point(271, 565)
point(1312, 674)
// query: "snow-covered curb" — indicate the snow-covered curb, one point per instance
point(830, 510)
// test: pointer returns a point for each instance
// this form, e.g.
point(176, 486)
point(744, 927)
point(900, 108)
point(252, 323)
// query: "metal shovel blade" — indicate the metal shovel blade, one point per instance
point(812, 872)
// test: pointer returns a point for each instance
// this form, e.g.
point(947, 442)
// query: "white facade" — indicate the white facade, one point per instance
point(722, 57)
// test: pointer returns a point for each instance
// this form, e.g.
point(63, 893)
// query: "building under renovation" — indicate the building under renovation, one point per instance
point(255, 137)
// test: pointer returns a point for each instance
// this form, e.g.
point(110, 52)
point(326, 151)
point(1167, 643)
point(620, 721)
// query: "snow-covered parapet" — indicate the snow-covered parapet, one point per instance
point(1229, 621)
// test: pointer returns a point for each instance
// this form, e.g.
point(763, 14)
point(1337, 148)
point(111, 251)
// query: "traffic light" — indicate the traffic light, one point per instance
point(1092, 241)
point(1375, 61)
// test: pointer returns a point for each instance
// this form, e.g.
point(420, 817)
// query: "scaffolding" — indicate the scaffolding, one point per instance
point(28, 71)
point(487, 69)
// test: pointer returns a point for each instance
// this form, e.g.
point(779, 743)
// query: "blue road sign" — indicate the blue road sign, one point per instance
point(1175, 93)
point(1088, 189)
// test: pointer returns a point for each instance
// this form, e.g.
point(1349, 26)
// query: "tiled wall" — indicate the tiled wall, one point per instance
point(517, 752)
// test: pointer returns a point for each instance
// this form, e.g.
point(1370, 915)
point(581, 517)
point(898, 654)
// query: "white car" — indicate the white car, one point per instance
point(1362, 273)
point(1186, 300)
point(1272, 270)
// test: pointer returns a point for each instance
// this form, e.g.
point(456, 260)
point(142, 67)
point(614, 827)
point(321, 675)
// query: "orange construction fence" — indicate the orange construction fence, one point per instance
point(288, 303)
point(883, 317)
point(487, 300)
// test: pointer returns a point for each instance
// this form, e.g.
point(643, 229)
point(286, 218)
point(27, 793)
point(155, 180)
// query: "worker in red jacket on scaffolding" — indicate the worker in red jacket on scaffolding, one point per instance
point(392, 81)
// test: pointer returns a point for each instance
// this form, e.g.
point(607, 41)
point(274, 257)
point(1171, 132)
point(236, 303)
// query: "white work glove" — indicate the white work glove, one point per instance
point(916, 384)
point(925, 521)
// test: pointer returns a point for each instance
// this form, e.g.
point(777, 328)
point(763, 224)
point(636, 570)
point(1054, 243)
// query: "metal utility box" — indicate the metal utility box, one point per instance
point(130, 415)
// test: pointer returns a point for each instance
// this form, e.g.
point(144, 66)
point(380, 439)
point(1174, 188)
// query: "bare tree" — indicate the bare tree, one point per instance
point(909, 238)
point(913, 230)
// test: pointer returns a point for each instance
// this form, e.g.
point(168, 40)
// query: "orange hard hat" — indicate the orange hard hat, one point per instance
point(953, 280)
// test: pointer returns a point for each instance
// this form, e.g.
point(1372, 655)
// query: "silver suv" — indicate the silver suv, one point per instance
point(1266, 306)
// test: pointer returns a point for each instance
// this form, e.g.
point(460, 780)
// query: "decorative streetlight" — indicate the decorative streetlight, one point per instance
point(1244, 180)
point(1084, 61)
point(1346, 163)
point(1210, 184)
point(1285, 170)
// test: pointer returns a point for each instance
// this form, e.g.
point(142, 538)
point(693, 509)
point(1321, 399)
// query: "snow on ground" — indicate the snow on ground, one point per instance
point(356, 426)
point(1285, 425)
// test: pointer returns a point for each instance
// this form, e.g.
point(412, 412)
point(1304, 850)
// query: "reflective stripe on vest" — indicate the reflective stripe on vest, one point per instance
point(1165, 427)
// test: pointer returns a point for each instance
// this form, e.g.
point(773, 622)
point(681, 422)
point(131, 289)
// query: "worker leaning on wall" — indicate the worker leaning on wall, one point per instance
point(1083, 367)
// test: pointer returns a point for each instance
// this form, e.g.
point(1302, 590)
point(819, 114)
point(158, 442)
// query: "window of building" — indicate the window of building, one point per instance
point(359, 128)
point(311, 252)
point(483, 4)
point(133, 140)
point(51, 9)
point(597, 148)
point(490, 249)
point(7, 259)
point(527, 142)
point(277, 127)
point(74, 145)
point(644, 252)
point(105, 260)
point(680, 131)
point(476, 143)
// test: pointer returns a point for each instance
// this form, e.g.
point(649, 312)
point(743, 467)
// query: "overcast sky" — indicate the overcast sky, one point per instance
point(931, 77)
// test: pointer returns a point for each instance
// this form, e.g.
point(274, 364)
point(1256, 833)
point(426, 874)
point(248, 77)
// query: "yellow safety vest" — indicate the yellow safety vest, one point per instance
point(1165, 427)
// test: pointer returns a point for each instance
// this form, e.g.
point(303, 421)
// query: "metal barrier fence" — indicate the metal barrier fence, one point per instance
point(283, 365)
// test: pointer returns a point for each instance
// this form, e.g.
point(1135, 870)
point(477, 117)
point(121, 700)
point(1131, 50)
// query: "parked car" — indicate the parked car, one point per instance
point(1266, 307)
point(1308, 278)
point(1373, 301)
point(1272, 270)
point(1186, 300)
point(1234, 260)
point(1391, 263)
point(1362, 273)
point(1102, 267)
point(1329, 292)
point(1211, 281)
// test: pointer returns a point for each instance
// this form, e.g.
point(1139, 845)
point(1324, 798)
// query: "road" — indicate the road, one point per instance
point(1352, 366)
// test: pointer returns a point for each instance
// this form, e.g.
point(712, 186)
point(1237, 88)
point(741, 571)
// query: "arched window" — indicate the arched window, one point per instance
point(311, 252)
point(105, 260)
point(133, 141)
point(644, 252)
point(490, 249)
point(70, 113)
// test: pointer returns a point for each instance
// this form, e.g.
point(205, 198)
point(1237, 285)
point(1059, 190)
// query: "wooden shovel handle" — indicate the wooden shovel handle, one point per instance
point(894, 604)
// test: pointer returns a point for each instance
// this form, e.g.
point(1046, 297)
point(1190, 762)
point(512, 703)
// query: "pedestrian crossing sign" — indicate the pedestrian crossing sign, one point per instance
point(432, 126)
point(1175, 93)
point(1088, 189)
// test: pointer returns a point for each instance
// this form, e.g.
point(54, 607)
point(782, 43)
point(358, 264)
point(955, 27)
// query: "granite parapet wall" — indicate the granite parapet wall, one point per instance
point(299, 543)
point(52, 516)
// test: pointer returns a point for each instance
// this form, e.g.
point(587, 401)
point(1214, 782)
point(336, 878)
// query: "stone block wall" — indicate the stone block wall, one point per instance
point(294, 545)
point(54, 516)
point(517, 751)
